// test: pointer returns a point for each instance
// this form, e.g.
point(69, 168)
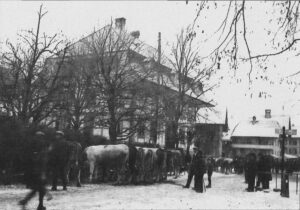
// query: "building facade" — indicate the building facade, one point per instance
point(159, 77)
point(256, 135)
point(208, 137)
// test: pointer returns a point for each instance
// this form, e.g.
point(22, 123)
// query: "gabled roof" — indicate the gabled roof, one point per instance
point(260, 128)
point(145, 50)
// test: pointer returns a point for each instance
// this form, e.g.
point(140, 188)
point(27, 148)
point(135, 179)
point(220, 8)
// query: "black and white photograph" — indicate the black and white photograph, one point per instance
point(149, 105)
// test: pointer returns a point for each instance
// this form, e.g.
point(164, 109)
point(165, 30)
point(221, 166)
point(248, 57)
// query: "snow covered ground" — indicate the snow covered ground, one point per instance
point(227, 192)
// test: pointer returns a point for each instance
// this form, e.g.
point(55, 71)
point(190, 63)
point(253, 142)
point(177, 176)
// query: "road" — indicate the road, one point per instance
point(227, 192)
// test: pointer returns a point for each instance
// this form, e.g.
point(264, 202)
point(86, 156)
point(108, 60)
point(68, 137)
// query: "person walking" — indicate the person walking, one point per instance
point(210, 167)
point(35, 170)
point(200, 169)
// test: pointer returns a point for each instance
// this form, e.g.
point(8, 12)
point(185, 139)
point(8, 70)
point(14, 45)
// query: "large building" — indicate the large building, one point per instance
point(160, 76)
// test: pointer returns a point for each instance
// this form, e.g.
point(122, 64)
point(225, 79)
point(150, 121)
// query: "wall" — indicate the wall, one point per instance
point(209, 138)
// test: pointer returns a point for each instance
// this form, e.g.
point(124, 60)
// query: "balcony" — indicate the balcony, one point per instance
point(252, 146)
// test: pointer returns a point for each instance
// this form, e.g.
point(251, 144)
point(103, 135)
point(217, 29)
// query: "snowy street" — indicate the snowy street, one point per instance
point(227, 192)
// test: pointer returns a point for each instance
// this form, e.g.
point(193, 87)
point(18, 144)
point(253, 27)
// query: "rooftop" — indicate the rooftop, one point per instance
point(260, 127)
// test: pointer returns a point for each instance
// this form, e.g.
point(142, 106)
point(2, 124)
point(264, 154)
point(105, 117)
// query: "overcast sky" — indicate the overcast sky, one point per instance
point(76, 19)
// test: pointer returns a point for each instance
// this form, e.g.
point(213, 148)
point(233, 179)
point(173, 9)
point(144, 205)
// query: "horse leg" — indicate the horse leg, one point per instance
point(78, 171)
point(92, 167)
point(67, 173)
point(104, 174)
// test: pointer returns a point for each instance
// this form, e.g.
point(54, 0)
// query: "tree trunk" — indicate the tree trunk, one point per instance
point(113, 132)
point(172, 134)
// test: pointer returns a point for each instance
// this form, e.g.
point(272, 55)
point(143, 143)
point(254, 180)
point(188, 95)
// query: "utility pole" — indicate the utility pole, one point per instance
point(284, 176)
point(155, 122)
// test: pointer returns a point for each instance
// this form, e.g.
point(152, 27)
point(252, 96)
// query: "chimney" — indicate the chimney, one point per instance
point(268, 113)
point(135, 34)
point(120, 23)
point(159, 47)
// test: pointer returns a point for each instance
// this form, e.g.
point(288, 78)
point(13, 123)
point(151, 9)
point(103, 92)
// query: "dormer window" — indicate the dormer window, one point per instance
point(254, 120)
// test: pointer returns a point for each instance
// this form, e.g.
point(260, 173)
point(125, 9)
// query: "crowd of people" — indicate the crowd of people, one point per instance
point(257, 169)
point(39, 155)
point(198, 167)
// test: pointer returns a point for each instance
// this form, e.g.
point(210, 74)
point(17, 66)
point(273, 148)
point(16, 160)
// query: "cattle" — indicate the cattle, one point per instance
point(225, 164)
point(175, 161)
point(64, 157)
point(140, 165)
point(119, 157)
point(151, 164)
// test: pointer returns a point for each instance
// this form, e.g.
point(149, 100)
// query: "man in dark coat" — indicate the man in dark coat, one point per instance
point(35, 169)
point(57, 160)
point(267, 175)
point(200, 169)
point(260, 171)
point(246, 163)
point(191, 171)
point(64, 156)
point(210, 167)
point(252, 170)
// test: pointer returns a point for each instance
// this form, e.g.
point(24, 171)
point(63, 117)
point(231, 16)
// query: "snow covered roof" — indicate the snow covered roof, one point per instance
point(259, 128)
point(143, 49)
point(286, 156)
point(211, 116)
point(226, 136)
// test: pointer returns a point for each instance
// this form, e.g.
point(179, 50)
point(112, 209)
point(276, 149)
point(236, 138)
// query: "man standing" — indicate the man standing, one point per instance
point(35, 169)
point(210, 167)
point(252, 170)
point(260, 171)
point(200, 169)
point(192, 169)
point(58, 160)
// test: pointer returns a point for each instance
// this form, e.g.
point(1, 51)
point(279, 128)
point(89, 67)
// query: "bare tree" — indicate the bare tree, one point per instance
point(77, 95)
point(190, 80)
point(235, 30)
point(29, 79)
point(120, 71)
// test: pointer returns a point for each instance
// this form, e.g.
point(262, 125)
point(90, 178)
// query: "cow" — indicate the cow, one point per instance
point(155, 164)
point(176, 162)
point(65, 156)
point(119, 157)
point(140, 164)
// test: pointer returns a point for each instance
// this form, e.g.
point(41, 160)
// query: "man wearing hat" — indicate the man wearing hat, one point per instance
point(35, 169)
point(200, 169)
point(192, 168)
point(58, 159)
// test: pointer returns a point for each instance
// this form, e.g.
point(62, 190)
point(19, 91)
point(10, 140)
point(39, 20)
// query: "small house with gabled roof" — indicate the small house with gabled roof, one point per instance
point(256, 135)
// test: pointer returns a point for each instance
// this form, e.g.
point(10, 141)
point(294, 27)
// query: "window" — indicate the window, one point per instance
point(141, 131)
point(294, 141)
